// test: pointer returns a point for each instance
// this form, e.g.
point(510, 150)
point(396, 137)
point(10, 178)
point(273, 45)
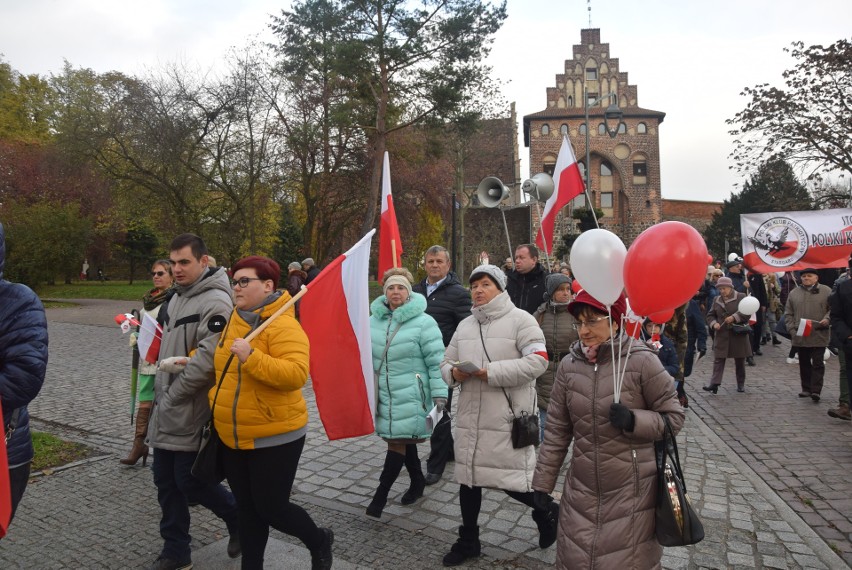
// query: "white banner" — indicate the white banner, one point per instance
point(787, 241)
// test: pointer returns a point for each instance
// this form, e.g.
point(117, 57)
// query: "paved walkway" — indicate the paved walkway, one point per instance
point(769, 473)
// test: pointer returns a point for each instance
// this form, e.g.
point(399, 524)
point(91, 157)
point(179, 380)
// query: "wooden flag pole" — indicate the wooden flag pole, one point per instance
point(393, 253)
point(277, 313)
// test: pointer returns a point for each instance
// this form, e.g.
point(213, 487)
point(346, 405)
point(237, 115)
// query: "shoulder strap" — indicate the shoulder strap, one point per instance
point(219, 386)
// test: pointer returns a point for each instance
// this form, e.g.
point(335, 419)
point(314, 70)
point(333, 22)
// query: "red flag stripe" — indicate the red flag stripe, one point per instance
point(389, 229)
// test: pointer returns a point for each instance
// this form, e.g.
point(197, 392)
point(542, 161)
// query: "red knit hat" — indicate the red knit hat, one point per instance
point(584, 298)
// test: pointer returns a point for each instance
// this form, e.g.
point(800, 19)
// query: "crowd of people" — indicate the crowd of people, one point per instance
point(502, 373)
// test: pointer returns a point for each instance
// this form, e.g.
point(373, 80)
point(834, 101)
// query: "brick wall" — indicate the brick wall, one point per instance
point(696, 214)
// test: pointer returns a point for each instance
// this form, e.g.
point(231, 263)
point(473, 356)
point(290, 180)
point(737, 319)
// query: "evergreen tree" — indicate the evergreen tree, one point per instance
point(774, 188)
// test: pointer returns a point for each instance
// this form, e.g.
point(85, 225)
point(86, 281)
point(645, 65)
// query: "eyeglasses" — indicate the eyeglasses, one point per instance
point(579, 324)
point(157, 273)
point(244, 281)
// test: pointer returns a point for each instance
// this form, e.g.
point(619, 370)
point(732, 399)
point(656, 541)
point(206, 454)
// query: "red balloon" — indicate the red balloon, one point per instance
point(575, 286)
point(664, 267)
point(661, 317)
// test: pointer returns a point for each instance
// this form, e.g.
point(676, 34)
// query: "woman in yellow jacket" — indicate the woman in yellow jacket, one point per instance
point(261, 415)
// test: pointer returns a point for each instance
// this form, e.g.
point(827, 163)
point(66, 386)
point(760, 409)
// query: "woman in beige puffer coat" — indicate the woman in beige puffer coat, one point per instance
point(607, 508)
point(506, 347)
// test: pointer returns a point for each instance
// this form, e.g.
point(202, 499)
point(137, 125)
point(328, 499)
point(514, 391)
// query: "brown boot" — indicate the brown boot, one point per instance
point(841, 412)
point(139, 448)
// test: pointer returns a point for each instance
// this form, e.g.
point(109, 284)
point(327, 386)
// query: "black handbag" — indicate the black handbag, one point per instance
point(781, 329)
point(525, 430)
point(208, 466)
point(740, 329)
point(677, 523)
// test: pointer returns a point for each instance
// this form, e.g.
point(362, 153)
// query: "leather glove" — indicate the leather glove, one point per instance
point(621, 417)
point(131, 342)
point(440, 403)
point(541, 500)
point(174, 364)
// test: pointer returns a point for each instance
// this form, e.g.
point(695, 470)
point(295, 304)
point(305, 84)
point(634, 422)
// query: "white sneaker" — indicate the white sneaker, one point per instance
point(792, 360)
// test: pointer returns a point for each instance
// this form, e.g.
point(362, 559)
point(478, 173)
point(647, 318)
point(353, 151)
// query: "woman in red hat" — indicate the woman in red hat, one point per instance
point(607, 510)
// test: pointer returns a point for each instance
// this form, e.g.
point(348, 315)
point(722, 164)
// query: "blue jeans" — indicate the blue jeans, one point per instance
point(542, 417)
point(176, 487)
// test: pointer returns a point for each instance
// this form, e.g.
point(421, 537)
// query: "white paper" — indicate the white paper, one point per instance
point(465, 366)
point(432, 418)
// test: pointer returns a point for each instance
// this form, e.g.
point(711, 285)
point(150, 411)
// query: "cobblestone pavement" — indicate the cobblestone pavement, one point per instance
point(768, 472)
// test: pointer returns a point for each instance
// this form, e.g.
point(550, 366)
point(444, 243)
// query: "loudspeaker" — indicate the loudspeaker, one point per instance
point(539, 187)
point(491, 191)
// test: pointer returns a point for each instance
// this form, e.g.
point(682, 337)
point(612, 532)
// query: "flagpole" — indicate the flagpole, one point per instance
point(541, 229)
point(277, 314)
point(393, 253)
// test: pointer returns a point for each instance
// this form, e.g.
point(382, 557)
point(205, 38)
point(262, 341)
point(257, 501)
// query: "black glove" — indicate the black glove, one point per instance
point(621, 417)
point(541, 500)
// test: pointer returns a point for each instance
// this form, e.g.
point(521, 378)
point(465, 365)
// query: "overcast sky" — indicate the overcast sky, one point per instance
point(689, 59)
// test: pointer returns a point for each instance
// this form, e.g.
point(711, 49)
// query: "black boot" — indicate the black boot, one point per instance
point(393, 465)
point(467, 546)
point(547, 521)
point(418, 482)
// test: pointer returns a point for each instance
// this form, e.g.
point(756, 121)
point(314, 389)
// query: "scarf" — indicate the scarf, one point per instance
point(590, 352)
point(154, 298)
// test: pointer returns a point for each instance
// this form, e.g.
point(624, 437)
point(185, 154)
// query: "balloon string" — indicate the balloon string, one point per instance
point(616, 387)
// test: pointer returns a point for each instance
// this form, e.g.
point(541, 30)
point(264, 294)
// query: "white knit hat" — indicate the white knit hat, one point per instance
point(492, 271)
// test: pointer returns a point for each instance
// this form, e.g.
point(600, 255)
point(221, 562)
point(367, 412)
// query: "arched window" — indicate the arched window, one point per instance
point(622, 128)
point(581, 166)
point(602, 129)
point(641, 129)
point(582, 129)
point(545, 130)
point(570, 101)
point(563, 130)
point(606, 169)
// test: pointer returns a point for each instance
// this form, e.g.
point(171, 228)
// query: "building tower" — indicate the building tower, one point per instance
point(625, 170)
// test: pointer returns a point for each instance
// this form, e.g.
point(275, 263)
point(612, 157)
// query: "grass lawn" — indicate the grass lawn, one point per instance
point(121, 291)
point(117, 290)
point(51, 451)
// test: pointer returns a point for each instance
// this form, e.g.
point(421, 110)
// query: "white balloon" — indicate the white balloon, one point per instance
point(749, 305)
point(597, 261)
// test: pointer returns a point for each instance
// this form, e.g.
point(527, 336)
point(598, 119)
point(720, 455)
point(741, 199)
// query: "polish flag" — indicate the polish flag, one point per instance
point(389, 230)
point(150, 335)
point(336, 318)
point(567, 185)
point(805, 327)
point(5, 487)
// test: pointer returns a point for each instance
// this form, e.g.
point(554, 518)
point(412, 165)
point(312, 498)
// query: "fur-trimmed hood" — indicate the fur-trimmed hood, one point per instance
point(416, 305)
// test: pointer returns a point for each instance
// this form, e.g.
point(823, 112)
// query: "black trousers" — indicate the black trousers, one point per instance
point(441, 442)
point(261, 480)
point(757, 330)
point(470, 500)
point(811, 368)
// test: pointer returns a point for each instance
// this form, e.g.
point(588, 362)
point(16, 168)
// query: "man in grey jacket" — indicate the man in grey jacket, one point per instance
point(192, 320)
point(809, 302)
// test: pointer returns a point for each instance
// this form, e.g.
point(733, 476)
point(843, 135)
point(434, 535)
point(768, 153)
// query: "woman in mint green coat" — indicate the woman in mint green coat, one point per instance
point(407, 353)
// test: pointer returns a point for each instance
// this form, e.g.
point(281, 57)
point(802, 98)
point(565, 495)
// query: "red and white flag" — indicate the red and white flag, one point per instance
point(5, 486)
point(389, 230)
point(150, 336)
point(335, 314)
point(567, 185)
point(805, 327)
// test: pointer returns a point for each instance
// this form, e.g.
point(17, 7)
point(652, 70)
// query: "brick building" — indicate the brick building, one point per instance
point(696, 214)
point(625, 169)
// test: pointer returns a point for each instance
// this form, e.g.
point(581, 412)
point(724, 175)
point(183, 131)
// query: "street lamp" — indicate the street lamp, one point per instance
point(613, 112)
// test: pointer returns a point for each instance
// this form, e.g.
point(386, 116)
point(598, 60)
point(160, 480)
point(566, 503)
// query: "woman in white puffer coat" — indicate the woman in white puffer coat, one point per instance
point(507, 346)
